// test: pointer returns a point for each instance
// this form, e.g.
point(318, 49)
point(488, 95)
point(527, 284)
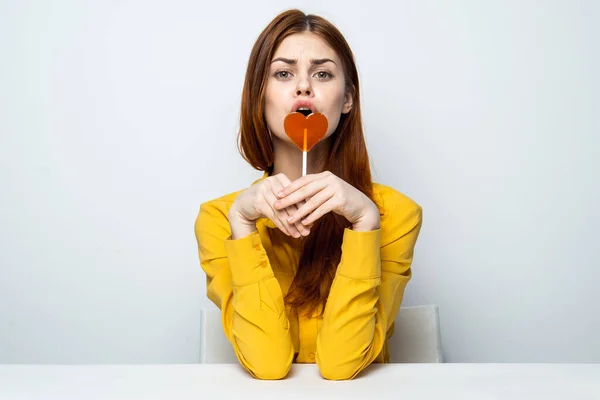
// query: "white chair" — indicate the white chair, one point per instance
point(214, 346)
point(416, 337)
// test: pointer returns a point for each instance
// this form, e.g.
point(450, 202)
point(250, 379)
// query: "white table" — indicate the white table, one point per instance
point(230, 381)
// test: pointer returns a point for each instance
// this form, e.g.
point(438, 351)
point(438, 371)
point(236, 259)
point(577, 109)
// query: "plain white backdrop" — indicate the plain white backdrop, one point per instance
point(117, 119)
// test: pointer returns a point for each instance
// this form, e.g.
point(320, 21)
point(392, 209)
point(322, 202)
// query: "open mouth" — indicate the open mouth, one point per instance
point(304, 111)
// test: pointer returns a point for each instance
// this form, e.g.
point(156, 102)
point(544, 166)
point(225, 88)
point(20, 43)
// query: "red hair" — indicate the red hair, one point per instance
point(348, 157)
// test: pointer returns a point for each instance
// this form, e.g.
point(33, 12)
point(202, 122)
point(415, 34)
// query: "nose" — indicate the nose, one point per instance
point(303, 87)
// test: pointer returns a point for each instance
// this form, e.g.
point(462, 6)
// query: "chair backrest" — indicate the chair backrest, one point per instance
point(416, 337)
point(214, 346)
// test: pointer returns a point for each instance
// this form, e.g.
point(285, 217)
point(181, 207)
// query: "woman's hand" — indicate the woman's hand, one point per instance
point(326, 192)
point(257, 202)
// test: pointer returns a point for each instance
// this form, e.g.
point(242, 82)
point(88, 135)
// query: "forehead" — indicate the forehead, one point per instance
point(305, 45)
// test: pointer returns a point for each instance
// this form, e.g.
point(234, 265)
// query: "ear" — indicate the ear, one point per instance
point(348, 99)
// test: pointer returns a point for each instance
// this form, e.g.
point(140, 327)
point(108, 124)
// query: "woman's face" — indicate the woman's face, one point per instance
point(304, 67)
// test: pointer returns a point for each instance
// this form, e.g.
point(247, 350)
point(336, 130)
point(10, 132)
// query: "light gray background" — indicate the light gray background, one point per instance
point(118, 119)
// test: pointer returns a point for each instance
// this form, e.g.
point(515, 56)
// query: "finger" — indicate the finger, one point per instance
point(315, 202)
point(293, 209)
point(272, 215)
point(326, 207)
point(276, 183)
point(303, 193)
point(282, 178)
point(300, 182)
point(287, 212)
point(304, 230)
point(284, 181)
point(282, 215)
point(309, 226)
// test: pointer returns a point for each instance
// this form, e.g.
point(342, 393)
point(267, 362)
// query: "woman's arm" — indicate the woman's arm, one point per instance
point(367, 291)
point(240, 281)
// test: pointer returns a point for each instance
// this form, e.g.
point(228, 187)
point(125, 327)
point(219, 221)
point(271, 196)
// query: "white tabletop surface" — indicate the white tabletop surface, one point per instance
point(230, 381)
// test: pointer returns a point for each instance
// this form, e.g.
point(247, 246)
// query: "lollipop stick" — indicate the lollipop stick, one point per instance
point(304, 153)
point(304, 163)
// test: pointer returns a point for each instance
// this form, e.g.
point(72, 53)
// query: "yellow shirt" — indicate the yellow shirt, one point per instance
point(247, 279)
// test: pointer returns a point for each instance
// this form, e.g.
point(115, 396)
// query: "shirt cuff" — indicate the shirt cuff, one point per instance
point(248, 260)
point(361, 257)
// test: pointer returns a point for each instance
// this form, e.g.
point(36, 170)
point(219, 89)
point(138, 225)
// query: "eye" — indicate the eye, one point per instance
point(282, 74)
point(324, 75)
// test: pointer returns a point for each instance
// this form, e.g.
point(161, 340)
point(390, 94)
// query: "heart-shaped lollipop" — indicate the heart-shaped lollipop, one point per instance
point(305, 132)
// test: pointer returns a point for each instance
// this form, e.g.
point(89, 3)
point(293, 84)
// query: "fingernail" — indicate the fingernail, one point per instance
point(296, 235)
point(290, 219)
point(280, 194)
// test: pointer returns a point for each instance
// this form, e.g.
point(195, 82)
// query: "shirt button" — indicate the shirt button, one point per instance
point(264, 264)
point(311, 356)
point(257, 247)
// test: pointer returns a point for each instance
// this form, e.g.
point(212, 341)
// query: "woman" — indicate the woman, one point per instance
point(325, 286)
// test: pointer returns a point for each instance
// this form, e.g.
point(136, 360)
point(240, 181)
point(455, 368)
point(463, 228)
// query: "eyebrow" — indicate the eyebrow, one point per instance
point(314, 61)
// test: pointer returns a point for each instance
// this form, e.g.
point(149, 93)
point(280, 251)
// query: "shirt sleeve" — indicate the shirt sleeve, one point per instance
point(240, 281)
point(366, 293)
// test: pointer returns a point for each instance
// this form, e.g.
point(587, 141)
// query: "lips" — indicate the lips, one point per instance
point(305, 104)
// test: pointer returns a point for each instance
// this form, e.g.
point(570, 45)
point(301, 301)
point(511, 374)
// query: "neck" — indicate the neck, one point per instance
point(288, 158)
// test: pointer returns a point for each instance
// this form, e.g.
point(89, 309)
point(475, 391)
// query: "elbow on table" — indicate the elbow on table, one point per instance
point(338, 372)
point(270, 370)
point(268, 365)
point(269, 359)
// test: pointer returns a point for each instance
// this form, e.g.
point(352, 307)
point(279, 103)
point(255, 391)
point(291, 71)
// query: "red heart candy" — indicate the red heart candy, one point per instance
point(305, 132)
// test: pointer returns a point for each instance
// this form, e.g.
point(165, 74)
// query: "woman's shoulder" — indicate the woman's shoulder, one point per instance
point(399, 213)
point(221, 204)
point(388, 198)
point(213, 218)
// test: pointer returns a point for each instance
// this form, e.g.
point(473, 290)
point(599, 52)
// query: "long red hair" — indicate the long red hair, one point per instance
point(348, 157)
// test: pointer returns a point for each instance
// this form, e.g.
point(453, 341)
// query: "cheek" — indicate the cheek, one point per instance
point(335, 113)
point(333, 122)
point(272, 112)
point(269, 103)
